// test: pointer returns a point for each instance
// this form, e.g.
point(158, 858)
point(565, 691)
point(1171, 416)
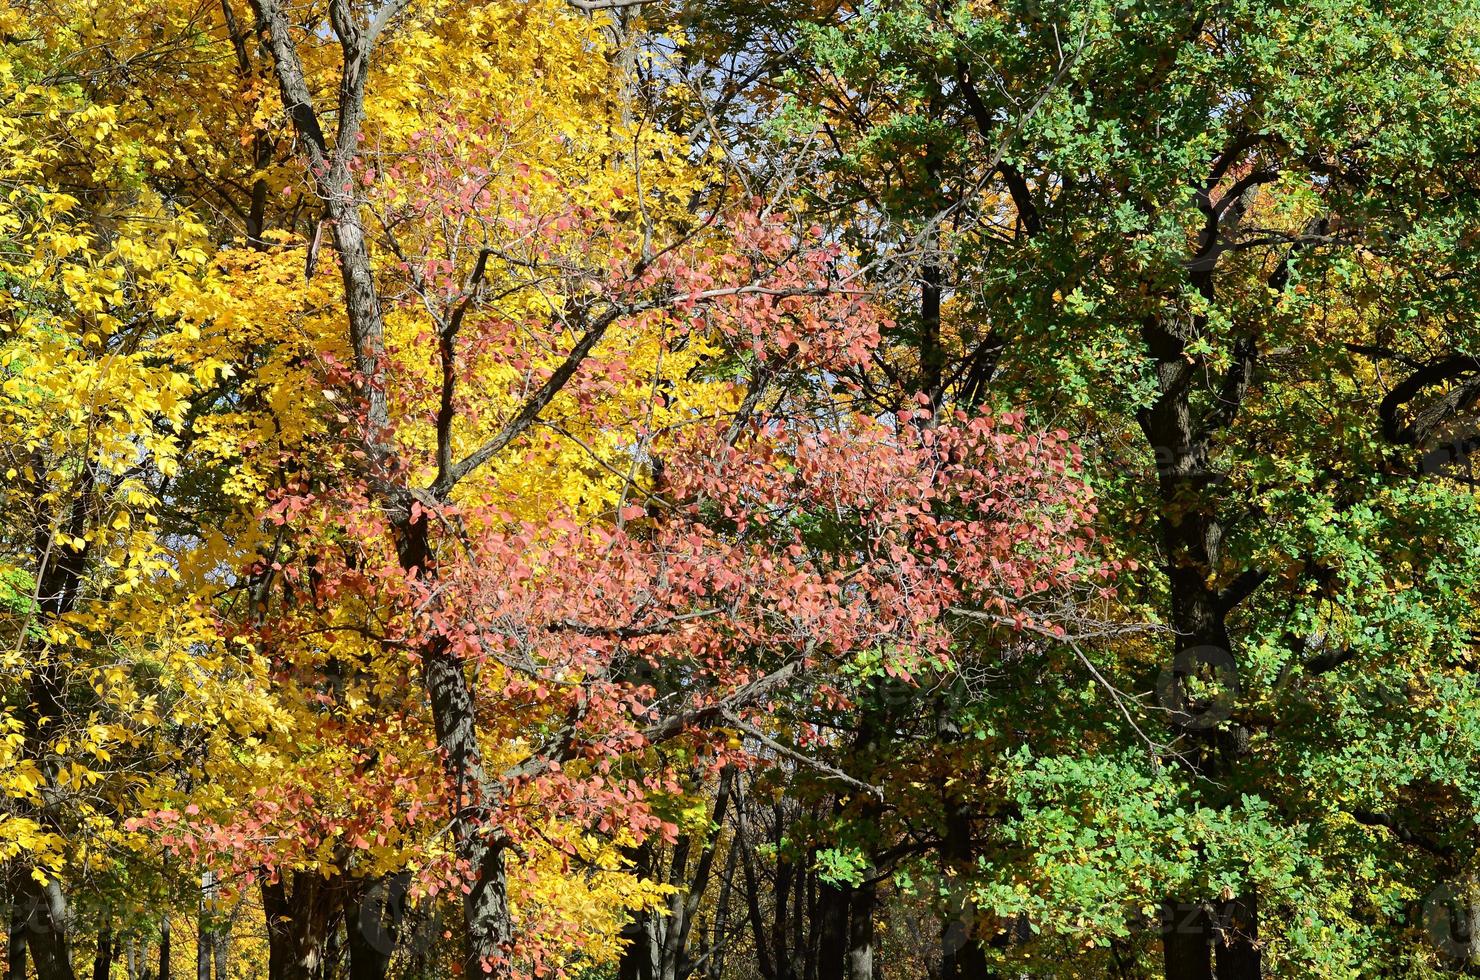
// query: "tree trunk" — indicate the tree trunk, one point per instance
point(205, 934)
point(15, 957)
point(785, 962)
point(675, 925)
point(1237, 954)
point(299, 926)
point(932, 353)
point(486, 912)
point(1191, 530)
point(806, 945)
point(279, 928)
point(204, 944)
point(49, 918)
point(103, 962)
point(861, 932)
point(962, 956)
point(720, 942)
point(659, 949)
point(49, 937)
point(489, 927)
point(164, 948)
point(637, 956)
point(765, 963)
point(640, 955)
point(832, 949)
point(1186, 952)
point(373, 917)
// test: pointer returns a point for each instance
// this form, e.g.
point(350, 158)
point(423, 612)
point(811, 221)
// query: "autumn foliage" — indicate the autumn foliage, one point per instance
point(547, 488)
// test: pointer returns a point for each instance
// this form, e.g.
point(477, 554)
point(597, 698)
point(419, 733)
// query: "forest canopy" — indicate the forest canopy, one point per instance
point(720, 490)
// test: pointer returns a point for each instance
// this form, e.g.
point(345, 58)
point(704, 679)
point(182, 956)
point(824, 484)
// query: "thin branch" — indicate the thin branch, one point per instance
point(799, 757)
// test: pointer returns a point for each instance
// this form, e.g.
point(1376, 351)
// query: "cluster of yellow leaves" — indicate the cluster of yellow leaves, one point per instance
point(547, 119)
point(158, 381)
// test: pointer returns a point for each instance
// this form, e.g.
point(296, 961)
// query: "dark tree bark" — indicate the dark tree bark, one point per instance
point(805, 942)
point(641, 954)
point(832, 948)
point(660, 945)
point(103, 961)
point(765, 962)
point(373, 917)
point(1189, 519)
point(719, 944)
point(1192, 537)
point(682, 929)
point(488, 928)
point(781, 947)
point(1185, 940)
point(278, 922)
point(164, 948)
point(301, 924)
point(49, 931)
point(932, 352)
point(59, 585)
point(962, 955)
point(1191, 525)
point(15, 957)
point(1237, 956)
point(861, 931)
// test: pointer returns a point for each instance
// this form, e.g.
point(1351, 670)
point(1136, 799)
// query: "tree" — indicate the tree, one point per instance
point(1197, 233)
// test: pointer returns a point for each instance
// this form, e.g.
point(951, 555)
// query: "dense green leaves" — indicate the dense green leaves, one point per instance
point(1232, 248)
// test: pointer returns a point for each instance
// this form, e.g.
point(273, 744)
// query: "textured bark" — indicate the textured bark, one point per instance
point(1191, 530)
point(832, 947)
point(962, 955)
point(677, 923)
point(59, 584)
point(720, 943)
point(861, 931)
point(204, 944)
point(932, 352)
point(1191, 525)
point(205, 937)
point(489, 928)
point(486, 915)
point(765, 963)
point(373, 917)
point(1191, 536)
point(103, 961)
point(49, 933)
point(785, 954)
point(15, 957)
point(680, 932)
point(300, 925)
point(164, 948)
point(806, 944)
point(276, 916)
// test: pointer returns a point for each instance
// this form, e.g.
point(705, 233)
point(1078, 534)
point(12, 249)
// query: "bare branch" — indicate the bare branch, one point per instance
point(810, 762)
